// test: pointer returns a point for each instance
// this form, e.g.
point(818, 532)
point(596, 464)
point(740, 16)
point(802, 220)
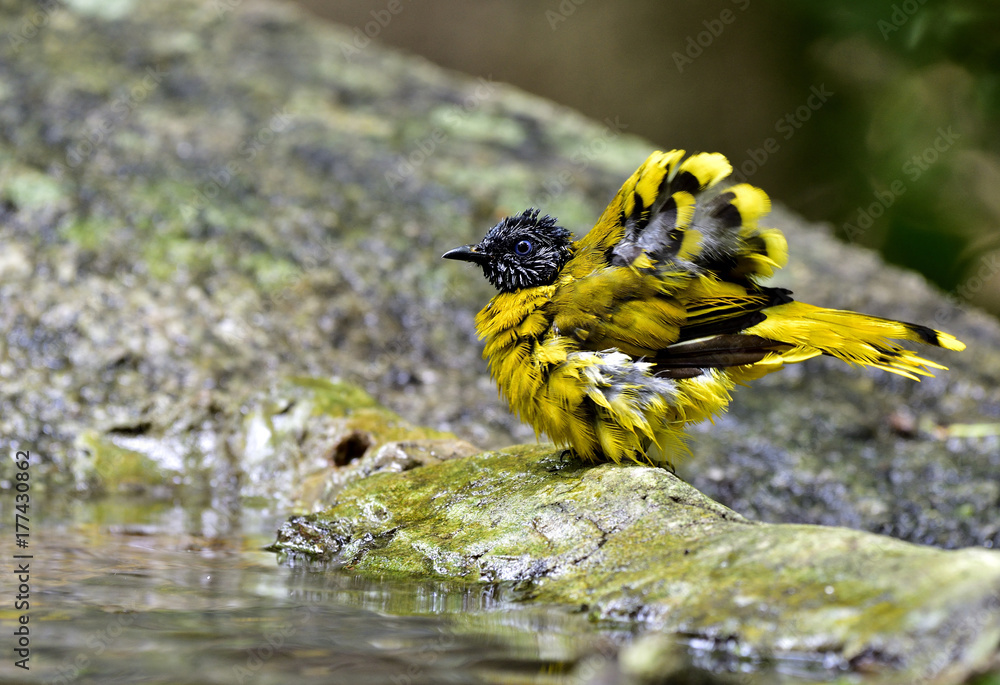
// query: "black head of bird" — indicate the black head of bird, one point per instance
point(522, 251)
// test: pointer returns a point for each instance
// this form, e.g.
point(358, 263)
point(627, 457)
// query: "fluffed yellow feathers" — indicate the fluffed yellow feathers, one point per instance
point(611, 344)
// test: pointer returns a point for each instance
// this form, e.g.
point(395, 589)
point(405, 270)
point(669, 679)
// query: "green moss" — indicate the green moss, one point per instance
point(29, 189)
point(270, 274)
point(630, 542)
point(89, 232)
point(333, 397)
point(476, 125)
point(165, 253)
point(109, 10)
point(120, 470)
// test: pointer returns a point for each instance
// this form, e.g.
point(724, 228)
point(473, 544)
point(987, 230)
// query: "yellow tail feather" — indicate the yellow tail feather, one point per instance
point(852, 337)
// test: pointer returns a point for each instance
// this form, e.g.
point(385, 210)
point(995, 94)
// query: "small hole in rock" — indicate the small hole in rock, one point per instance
point(352, 446)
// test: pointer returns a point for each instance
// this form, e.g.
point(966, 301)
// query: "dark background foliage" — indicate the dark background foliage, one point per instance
point(879, 118)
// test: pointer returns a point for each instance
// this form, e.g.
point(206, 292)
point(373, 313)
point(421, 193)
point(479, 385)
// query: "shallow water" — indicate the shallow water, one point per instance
point(129, 591)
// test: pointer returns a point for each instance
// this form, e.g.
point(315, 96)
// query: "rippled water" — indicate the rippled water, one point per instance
point(133, 592)
point(139, 592)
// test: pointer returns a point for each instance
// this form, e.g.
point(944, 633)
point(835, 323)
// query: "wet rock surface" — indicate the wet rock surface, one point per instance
point(637, 544)
point(221, 233)
point(201, 203)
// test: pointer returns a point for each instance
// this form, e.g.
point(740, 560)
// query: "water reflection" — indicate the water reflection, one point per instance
point(157, 594)
point(146, 592)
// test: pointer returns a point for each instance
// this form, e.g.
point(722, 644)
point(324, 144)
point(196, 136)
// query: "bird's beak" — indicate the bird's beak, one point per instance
point(466, 253)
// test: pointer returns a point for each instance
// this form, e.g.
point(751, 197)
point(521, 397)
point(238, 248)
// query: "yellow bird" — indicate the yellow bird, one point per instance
point(611, 344)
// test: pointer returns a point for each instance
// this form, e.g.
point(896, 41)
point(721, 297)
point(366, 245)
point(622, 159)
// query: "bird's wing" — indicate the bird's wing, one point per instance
point(674, 258)
point(675, 212)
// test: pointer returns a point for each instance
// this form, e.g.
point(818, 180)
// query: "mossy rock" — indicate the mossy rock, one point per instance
point(630, 543)
point(203, 200)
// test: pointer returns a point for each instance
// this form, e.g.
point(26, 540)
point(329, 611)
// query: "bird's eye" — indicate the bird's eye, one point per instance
point(523, 247)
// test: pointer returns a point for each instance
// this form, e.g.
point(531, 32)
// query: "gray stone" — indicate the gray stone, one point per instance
point(634, 543)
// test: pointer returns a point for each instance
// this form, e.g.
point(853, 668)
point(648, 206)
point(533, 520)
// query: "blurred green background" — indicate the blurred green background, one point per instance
point(879, 118)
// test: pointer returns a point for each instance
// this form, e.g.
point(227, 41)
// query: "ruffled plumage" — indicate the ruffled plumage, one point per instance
point(648, 322)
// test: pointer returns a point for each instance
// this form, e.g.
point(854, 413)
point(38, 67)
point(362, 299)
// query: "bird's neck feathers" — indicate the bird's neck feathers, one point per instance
point(516, 314)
